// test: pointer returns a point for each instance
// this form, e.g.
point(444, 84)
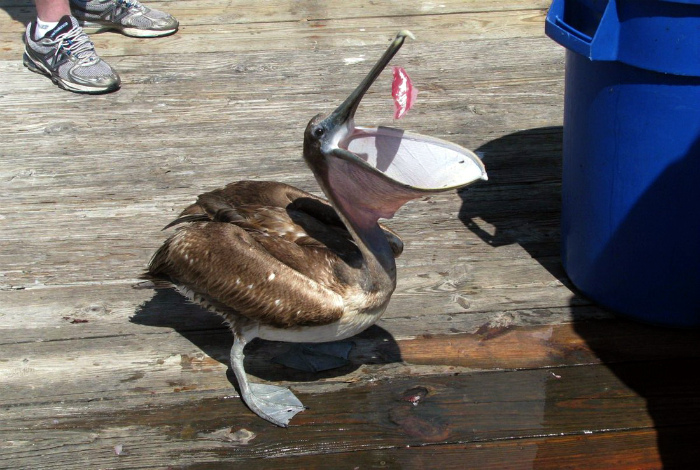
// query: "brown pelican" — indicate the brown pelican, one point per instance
point(281, 264)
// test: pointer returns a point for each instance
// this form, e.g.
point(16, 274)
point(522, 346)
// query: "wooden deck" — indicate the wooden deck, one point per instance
point(486, 357)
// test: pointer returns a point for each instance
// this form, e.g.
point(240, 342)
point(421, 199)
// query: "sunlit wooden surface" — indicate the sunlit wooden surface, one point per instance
point(486, 357)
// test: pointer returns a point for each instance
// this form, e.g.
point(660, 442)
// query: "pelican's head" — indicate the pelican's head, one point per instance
point(369, 173)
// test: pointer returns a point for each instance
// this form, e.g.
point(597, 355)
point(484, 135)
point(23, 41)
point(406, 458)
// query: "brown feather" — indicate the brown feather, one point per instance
point(271, 252)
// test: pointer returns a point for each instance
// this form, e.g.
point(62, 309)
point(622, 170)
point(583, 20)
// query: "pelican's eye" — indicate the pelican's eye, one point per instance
point(319, 132)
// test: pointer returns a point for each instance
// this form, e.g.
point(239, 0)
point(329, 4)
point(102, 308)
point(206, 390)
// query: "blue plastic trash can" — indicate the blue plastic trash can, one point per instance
point(631, 157)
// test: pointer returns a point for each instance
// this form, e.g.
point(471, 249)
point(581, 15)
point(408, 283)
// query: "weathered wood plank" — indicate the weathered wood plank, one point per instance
point(468, 77)
point(310, 35)
point(434, 272)
point(283, 10)
point(73, 313)
point(459, 409)
point(193, 357)
point(109, 258)
point(621, 450)
point(435, 288)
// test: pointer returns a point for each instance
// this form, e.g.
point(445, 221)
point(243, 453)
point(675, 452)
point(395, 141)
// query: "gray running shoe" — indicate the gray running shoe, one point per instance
point(68, 57)
point(128, 16)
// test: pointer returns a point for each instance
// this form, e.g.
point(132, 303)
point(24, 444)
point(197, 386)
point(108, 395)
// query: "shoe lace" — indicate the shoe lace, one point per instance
point(129, 4)
point(75, 43)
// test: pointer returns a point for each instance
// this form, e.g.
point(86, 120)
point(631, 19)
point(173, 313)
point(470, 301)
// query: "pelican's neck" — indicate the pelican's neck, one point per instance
point(378, 260)
point(361, 197)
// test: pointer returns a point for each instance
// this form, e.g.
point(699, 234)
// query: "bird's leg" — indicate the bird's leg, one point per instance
point(277, 405)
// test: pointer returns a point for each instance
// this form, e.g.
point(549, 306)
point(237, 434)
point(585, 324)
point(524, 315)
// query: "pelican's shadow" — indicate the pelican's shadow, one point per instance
point(207, 331)
point(520, 204)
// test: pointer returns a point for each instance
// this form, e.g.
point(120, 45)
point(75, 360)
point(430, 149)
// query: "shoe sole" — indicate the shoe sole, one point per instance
point(92, 28)
point(38, 67)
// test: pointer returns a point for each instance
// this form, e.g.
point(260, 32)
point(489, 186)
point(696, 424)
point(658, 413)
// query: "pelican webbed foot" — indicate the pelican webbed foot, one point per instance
point(316, 357)
point(277, 405)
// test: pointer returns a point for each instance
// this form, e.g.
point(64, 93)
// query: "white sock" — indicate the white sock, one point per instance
point(43, 27)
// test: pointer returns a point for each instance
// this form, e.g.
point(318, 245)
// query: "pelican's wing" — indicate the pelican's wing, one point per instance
point(247, 192)
point(276, 209)
point(225, 263)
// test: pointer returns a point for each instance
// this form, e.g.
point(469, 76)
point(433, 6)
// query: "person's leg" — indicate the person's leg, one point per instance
point(51, 11)
point(56, 46)
point(129, 17)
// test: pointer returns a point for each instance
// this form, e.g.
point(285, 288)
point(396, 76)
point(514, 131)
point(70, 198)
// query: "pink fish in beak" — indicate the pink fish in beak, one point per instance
point(403, 92)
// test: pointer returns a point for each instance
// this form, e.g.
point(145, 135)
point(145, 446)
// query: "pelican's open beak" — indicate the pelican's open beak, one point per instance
point(344, 114)
point(421, 162)
point(387, 166)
